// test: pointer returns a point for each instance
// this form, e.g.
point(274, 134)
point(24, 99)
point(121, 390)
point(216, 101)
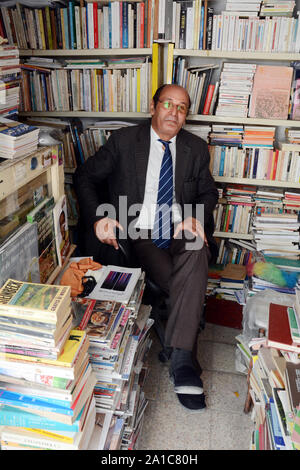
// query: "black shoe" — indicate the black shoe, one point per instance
point(189, 388)
point(186, 381)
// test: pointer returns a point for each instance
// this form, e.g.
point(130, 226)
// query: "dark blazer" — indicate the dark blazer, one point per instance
point(122, 163)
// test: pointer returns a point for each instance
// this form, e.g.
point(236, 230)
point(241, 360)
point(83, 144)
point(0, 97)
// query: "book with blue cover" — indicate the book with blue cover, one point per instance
point(15, 129)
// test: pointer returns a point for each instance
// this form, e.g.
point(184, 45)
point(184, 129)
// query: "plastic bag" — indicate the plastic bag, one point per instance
point(256, 310)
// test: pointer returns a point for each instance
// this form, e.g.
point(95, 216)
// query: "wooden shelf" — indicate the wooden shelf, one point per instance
point(243, 120)
point(242, 236)
point(85, 52)
point(255, 182)
point(85, 114)
point(240, 55)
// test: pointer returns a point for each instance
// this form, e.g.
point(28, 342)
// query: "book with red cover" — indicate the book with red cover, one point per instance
point(279, 334)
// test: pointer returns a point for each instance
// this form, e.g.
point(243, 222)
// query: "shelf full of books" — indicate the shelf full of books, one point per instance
point(242, 93)
point(233, 26)
point(92, 86)
point(9, 81)
point(84, 26)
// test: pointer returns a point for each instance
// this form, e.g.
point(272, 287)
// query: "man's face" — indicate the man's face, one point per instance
point(167, 120)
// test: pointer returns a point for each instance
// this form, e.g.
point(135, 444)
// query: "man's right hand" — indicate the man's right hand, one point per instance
point(105, 231)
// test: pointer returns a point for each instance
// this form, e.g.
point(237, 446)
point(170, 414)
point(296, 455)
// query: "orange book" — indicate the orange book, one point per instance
point(208, 99)
point(155, 20)
point(274, 169)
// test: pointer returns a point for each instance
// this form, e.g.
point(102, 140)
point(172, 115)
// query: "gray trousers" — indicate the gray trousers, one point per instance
point(182, 274)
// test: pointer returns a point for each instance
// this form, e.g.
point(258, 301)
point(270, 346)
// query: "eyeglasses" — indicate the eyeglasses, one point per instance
point(181, 108)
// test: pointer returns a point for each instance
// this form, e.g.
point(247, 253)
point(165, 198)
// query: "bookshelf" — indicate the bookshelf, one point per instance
point(215, 56)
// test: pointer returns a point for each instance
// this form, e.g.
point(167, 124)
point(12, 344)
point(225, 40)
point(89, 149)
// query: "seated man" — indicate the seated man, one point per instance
point(165, 171)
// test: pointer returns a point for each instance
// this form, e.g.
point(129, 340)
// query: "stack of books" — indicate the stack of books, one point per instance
point(9, 81)
point(268, 200)
point(236, 84)
point(274, 368)
point(291, 201)
point(17, 139)
point(118, 332)
point(237, 6)
point(277, 234)
point(258, 136)
point(293, 135)
point(232, 279)
point(226, 135)
point(46, 388)
point(277, 8)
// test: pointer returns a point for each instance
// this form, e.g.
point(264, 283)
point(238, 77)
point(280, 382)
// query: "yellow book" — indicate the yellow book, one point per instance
point(76, 345)
point(155, 67)
point(196, 22)
point(170, 63)
point(42, 29)
point(66, 436)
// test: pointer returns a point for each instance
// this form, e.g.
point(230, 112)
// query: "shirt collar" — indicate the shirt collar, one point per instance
point(155, 137)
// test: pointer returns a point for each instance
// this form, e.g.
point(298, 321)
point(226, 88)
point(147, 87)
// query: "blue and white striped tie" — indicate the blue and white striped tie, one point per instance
point(162, 230)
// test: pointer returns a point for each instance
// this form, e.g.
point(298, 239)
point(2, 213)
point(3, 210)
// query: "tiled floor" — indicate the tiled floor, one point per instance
point(223, 425)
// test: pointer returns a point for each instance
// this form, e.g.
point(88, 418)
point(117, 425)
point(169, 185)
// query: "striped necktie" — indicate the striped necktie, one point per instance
point(162, 230)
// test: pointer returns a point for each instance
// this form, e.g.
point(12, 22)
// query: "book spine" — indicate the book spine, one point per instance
point(10, 416)
point(208, 99)
point(72, 25)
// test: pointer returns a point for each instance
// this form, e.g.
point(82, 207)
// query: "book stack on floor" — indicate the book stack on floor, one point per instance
point(17, 139)
point(117, 328)
point(274, 374)
point(232, 280)
point(46, 388)
point(10, 81)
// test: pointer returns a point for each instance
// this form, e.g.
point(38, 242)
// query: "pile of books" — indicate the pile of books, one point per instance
point(237, 6)
point(293, 135)
point(236, 84)
point(258, 136)
point(9, 81)
point(118, 333)
point(232, 279)
point(46, 388)
point(291, 201)
point(226, 135)
point(277, 234)
point(277, 8)
point(17, 139)
point(274, 367)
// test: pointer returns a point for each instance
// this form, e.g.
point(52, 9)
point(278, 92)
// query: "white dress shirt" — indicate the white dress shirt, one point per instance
point(147, 214)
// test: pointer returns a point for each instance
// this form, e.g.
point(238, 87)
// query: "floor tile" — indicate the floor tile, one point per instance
point(223, 424)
